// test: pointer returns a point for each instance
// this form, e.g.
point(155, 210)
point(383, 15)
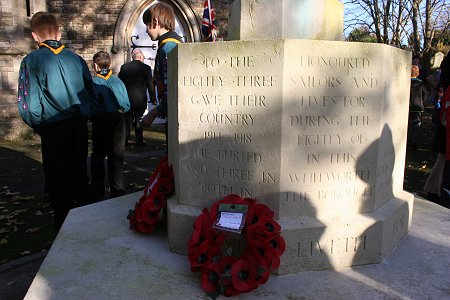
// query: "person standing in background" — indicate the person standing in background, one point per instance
point(160, 22)
point(108, 129)
point(444, 199)
point(137, 77)
point(434, 181)
point(418, 94)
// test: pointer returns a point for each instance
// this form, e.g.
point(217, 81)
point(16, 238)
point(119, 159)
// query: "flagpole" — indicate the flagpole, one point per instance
point(210, 19)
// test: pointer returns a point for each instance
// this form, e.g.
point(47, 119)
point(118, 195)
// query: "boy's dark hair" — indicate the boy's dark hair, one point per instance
point(102, 59)
point(163, 12)
point(44, 24)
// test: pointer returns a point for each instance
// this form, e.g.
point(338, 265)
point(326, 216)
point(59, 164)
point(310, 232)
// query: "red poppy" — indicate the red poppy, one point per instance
point(194, 240)
point(164, 185)
point(243, 276)
point(227, 285)
point(267, 228)
point(227, 262)
point(211, 277)
point(272, 226)
point(263, 275)
point(228, 289)
point(278, 243)
point(203, 254)
point(147, 216)
point(258, 213)
point(265, 257)
point(138, 214)
point(166, 171)
point(202, 229)
point(262, 252)
point(155, 201)
point(144, 227)
point(275, 262)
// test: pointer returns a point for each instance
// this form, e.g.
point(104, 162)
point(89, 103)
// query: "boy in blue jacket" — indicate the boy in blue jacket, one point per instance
point(160, 22)
point(56, 97)
point(108, 128)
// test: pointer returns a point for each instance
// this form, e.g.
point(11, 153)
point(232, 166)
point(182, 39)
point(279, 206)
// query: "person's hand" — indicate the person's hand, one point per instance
point(148, 119)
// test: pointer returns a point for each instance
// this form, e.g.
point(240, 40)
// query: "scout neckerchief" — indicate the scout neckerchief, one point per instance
point(168, 40)
point(104, 73)
point(55, 46)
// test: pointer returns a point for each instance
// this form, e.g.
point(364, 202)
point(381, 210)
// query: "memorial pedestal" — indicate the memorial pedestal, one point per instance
point(316, 130)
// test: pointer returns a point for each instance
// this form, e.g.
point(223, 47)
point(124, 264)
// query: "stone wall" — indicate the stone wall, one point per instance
point(12, 48)
point(87, 27)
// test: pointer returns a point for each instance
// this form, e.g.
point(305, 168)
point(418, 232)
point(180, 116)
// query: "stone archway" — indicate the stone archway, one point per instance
point(129, 16)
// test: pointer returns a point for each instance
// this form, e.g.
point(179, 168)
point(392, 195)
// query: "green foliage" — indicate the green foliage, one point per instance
point(361, 34)
point(441, 38)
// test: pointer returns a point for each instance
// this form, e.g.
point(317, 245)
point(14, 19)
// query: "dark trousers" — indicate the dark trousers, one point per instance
point(445, 187)
point(108, 135)
point(414, 123)
point(64, 153)
point(132, 120)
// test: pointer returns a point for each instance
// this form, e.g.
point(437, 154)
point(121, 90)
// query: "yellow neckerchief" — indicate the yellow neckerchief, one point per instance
point(159, 46)
point(56, 51)
point(107, 75)
point(168, 40)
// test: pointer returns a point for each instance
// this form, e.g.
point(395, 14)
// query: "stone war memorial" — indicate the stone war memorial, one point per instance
point(288, 114)
point(313, 127)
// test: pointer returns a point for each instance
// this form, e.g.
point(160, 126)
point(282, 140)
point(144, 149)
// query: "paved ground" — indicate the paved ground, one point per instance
point(16, 276)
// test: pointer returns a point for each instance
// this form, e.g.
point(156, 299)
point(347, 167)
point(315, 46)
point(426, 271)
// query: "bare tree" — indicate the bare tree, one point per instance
point(415, 25)
point(385, 18)
point(408, 23)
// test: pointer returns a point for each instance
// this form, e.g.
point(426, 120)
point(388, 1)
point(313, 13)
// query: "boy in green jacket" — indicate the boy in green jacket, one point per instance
point(160, 22)
point(108, 128)
point(56, 97)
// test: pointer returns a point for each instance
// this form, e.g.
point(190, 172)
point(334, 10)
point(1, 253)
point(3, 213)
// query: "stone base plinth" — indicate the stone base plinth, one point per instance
point(348, 240)
point(97, 256)
point(314, 244)
point(180, 219)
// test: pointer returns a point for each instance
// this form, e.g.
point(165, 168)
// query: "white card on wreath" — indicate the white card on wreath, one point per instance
point(232, 220)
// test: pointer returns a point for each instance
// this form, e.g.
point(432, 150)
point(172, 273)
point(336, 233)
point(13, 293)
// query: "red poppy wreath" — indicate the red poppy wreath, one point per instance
point(233, 263)
point(147, 210)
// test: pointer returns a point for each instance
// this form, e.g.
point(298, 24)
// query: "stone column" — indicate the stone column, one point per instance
point(297, 19)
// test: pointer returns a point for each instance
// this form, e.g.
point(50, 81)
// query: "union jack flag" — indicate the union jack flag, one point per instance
point(209, 29)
